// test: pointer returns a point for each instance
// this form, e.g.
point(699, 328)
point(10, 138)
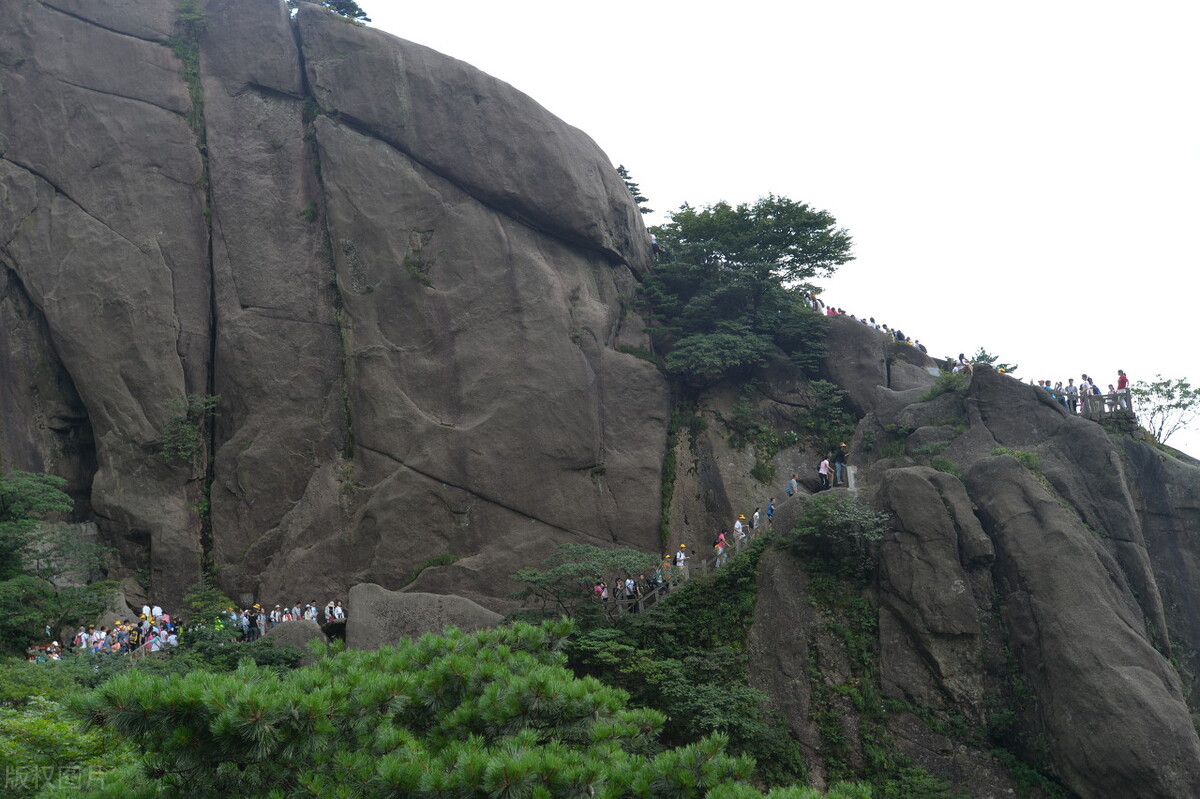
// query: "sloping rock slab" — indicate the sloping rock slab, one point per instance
point(379, 617)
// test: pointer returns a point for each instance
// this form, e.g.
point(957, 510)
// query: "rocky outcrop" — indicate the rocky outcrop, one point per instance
point(1062, 572)
point(378, 617)
point(332, 230)
point(298, 634)
point(1081, 639)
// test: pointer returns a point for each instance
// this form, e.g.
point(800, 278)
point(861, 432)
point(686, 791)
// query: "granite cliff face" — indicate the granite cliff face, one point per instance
point(404, 279)
point(410, 286)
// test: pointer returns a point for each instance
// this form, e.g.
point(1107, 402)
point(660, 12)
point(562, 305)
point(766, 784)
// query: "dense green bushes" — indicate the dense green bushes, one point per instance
point(493, 713)
point(687, 659)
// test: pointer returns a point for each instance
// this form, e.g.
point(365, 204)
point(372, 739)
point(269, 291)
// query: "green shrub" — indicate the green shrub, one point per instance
point(763, 472)
point(946, 465)
point(430, 563)
point(932, 448)
point(183, 433)
point(947, 383)
point(41, 744)
point(827, 422)
point(838, 531)
point(1029, 460)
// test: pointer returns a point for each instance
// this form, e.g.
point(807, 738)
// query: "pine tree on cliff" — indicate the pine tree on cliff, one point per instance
point(735, 287)
point(635, 191)
point(346, 8)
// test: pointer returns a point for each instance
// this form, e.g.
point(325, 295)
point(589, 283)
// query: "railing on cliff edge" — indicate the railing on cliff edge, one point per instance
point(1099, 406)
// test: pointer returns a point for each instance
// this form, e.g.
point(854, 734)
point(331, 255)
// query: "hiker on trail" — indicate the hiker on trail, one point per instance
point(632, 592)
point(770, 512)
point(755, 519)
point(793, 485)
point(720, 545)
point(739, 529)
point(681, 562)
point(823, 474)
point(839, 464)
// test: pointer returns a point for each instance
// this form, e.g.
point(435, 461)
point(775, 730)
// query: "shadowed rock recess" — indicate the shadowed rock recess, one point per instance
point(410, 288)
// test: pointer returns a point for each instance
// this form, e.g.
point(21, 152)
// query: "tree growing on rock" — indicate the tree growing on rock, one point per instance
point(33, 553)
point(735, 286)
point(344, 8)
point(565, 583)
point(635, 191)
point(1166, 406)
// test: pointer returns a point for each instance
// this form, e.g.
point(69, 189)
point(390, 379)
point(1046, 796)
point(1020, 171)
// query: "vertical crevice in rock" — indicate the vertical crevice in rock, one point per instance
point(190, 24)
point(341, 317)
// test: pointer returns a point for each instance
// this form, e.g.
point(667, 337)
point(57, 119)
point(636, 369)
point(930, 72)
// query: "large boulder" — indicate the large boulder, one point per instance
point(298, 634)
point(408, 284)
point(877, 372)
point(378, 617)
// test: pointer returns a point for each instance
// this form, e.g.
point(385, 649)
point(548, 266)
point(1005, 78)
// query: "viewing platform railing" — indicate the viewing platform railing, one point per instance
point(1096, 406)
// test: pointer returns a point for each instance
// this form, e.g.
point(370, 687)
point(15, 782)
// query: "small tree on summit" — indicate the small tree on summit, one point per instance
point(345, 8)
point(1166, 406)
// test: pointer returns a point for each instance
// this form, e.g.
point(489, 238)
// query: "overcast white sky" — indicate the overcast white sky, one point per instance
point(1021, 176)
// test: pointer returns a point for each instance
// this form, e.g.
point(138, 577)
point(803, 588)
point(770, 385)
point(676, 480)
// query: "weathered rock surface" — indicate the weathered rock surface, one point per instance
point(409, 286)
point(1067, 574)
point(332, 230)
point(1081, 639)
point(298, 633)
point(377, 617)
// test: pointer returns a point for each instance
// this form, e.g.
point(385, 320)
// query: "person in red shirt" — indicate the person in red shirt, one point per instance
point(1122, 390)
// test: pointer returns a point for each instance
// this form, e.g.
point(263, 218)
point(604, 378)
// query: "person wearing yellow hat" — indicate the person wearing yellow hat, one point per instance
point(739, 529)
point(681, 566)
point(251, 627)
point(839, 464)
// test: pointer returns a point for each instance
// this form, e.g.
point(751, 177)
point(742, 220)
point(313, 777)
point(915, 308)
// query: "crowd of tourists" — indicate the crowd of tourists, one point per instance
point(152, 631)
point(820, 307)
point(155, 630)
point(254, 621)
point(1073, 397)
point(1070, 396)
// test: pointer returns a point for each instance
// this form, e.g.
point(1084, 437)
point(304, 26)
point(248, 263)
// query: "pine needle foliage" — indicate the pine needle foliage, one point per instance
point(488, 714)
